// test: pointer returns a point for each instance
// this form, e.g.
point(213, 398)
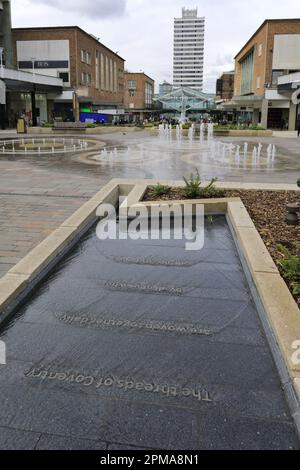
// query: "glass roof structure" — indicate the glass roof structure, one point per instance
point(186, 99)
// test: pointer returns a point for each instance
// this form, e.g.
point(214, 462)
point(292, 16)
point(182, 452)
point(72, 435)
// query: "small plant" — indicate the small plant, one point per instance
point(193, 189)
point(160, 190)
point(192, 186)
point(290, 265)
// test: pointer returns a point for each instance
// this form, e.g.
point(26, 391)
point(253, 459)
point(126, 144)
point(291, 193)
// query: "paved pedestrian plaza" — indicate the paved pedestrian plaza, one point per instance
point(130, 345)
point(37, 193)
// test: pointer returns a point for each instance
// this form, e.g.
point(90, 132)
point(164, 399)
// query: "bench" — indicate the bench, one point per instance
point(69, 126)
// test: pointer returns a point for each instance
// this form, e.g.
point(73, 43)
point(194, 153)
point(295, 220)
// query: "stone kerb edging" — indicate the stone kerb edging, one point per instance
point(280, 307)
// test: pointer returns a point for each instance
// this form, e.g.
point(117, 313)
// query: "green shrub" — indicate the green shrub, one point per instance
point(241, 127)
point(91, 126)
point(290, 265)
point(48, 124)
point(193, 189)
point(160, 190)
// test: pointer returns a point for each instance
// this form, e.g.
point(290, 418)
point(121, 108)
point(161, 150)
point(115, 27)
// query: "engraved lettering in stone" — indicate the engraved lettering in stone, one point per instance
point(52, 376)
point(206, 396)
point(153, 261)
point(197, 394)
point(88, 381)
point(128, 385)
point(108, 382)
point(90, 321)
point(100, 383)
point(149, 388)
point(44, 375)
point(71, 379)
point(139, 386)
point(80, 379)
point(144, 288)
point(61, 377)
point(33, 373)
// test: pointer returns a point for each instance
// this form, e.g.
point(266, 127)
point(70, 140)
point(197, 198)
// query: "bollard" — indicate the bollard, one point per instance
point(292, 214)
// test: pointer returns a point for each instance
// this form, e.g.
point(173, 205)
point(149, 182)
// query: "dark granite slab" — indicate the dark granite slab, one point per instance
point(143, 345)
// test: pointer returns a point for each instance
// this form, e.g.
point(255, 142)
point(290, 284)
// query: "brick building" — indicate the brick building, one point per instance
point(138, 95)
point(270, 54)
point(92, 74)
point(225, 86)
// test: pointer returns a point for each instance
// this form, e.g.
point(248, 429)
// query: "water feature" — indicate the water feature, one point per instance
point(191, 132)
point(39, 146)
point(162, 350)
point(176, 152)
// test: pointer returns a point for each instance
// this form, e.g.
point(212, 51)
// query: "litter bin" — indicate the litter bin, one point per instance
point(21, 126)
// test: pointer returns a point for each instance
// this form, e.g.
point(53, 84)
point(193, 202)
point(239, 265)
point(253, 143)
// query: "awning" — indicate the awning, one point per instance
point(19, 81)
point(26, 87)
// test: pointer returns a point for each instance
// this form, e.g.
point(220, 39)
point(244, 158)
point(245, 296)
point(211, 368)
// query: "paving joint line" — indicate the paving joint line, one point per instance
point(45, 195)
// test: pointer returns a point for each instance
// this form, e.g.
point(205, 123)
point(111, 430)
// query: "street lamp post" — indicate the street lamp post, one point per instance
point(33, 62)
point(33, 98)
point(1, 56)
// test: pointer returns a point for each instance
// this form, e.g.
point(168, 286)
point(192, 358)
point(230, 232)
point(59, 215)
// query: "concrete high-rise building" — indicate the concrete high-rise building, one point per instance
point(188, 61)
point(165, 88)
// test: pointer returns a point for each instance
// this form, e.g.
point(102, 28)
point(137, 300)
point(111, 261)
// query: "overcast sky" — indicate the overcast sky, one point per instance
point(141, 31)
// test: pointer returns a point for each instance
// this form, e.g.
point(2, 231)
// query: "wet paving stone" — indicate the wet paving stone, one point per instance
point(144, 346)
point(15, 439)
point(48, 442)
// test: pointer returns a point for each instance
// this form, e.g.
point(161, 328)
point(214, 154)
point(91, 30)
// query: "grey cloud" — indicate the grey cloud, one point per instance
point(224, 59)
point(88, 8)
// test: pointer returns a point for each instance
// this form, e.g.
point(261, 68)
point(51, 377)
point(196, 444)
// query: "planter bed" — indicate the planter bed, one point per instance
point(243, 133)
point(267, 209)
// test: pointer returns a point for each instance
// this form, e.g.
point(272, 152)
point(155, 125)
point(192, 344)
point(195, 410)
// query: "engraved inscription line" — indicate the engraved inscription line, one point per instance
point(143, 287)
point(98, 382)
point(90, 321)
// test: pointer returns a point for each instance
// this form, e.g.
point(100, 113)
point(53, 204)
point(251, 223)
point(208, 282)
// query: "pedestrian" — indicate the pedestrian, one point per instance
point(299, 126)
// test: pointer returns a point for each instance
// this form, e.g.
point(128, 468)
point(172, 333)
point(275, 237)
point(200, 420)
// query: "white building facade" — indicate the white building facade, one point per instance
point(188, 62)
